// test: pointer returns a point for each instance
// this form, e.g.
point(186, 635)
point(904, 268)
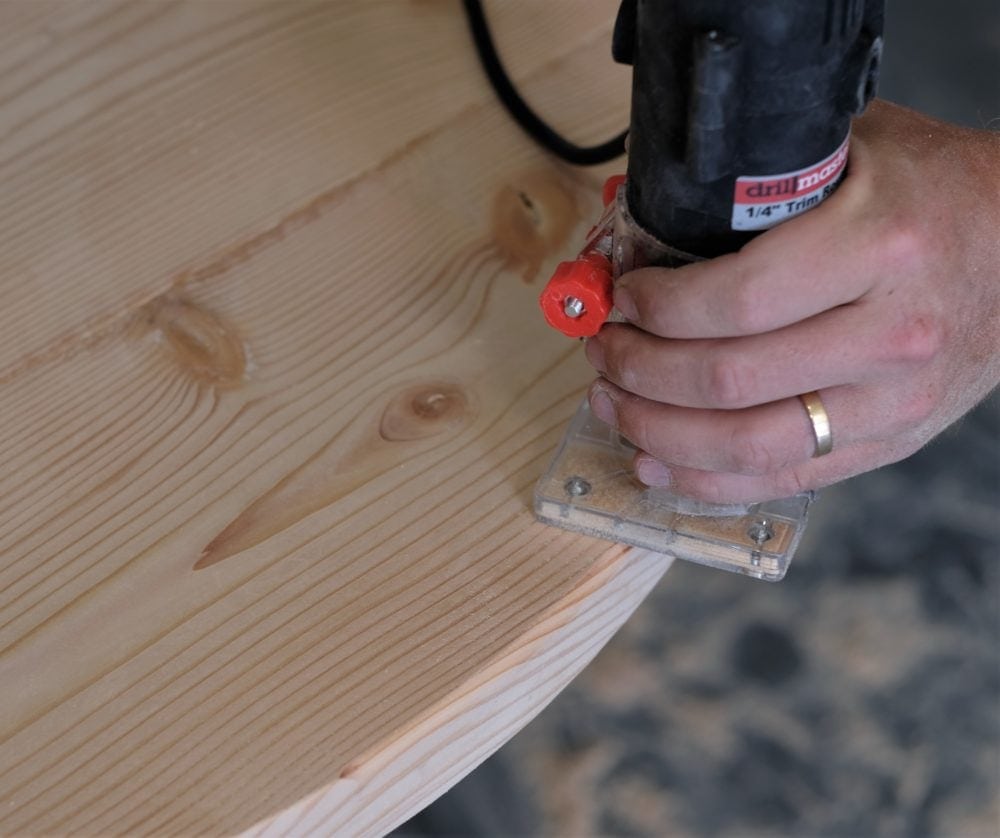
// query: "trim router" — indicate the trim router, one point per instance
point(740, 119)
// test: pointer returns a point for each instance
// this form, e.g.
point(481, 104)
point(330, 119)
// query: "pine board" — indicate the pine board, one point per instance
point(273, 395)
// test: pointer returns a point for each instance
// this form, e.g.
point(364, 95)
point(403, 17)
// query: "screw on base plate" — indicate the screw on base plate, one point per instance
point(573, 307)
point(576, 487)
point(760, 532)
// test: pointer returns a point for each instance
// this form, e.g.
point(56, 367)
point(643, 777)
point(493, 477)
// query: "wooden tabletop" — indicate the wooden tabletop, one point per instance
point(274, 391)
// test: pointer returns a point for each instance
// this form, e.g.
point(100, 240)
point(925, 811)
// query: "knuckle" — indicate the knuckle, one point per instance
point(726, 382)
point(918, 339)
point(903, 243)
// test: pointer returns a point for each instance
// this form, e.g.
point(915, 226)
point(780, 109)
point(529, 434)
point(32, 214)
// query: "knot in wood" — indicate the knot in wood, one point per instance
point(532, 220)
point(426, 409)
point(204, 345)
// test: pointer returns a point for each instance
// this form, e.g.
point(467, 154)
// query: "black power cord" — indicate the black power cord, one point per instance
point(522, 113)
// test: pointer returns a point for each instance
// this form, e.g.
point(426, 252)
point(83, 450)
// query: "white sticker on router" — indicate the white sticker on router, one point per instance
point(762, 202)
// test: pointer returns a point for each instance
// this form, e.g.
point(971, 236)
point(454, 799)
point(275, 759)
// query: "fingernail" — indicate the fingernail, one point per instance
point(602, 405)
point(625, 303)
point(653, 473)
point(595, 354)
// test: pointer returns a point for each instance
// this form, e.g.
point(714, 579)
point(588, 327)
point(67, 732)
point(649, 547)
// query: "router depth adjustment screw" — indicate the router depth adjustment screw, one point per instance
point(576, 487)
point(573, 307)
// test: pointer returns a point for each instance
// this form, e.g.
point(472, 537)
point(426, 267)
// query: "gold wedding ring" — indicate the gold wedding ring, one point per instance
point(820, 422)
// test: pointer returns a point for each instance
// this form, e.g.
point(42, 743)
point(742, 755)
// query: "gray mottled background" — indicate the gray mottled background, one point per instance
point(858, 697)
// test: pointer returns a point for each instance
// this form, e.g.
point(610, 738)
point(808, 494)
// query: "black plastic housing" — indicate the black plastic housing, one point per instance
point(730, 88)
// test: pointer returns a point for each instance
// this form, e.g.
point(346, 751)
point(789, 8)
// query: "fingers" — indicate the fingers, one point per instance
point(758, 440)
point(788, 274)
point(757, 453)
point(723, 488)
point(741, 372)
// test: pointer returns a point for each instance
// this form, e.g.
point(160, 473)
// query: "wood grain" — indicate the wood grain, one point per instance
point(273, 395)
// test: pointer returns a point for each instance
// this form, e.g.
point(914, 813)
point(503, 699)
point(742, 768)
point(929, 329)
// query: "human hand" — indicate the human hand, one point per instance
point(885, 299)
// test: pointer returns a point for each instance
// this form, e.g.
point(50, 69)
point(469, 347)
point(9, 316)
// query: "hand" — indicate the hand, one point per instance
point(885, 299)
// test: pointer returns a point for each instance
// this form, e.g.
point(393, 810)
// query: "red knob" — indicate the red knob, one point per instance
point(578, 297)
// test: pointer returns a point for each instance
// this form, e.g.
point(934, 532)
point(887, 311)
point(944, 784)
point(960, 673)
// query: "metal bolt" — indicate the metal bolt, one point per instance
point(760, 532)
point(576, 487)
point(573, 307)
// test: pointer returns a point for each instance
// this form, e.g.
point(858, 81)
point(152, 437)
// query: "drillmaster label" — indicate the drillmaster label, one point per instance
point(762, 202)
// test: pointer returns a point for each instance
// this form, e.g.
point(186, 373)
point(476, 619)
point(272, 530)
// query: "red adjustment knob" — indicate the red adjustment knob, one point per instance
point(611, 188)
point(577, 299)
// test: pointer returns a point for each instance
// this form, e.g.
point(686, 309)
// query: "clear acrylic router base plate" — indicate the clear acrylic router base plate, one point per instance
point(590, 487)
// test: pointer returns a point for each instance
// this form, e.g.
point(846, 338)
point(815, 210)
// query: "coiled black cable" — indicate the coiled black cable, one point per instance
point(522, 113)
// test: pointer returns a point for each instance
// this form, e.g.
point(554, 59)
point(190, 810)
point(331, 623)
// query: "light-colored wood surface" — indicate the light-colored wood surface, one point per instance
point(273, 395)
